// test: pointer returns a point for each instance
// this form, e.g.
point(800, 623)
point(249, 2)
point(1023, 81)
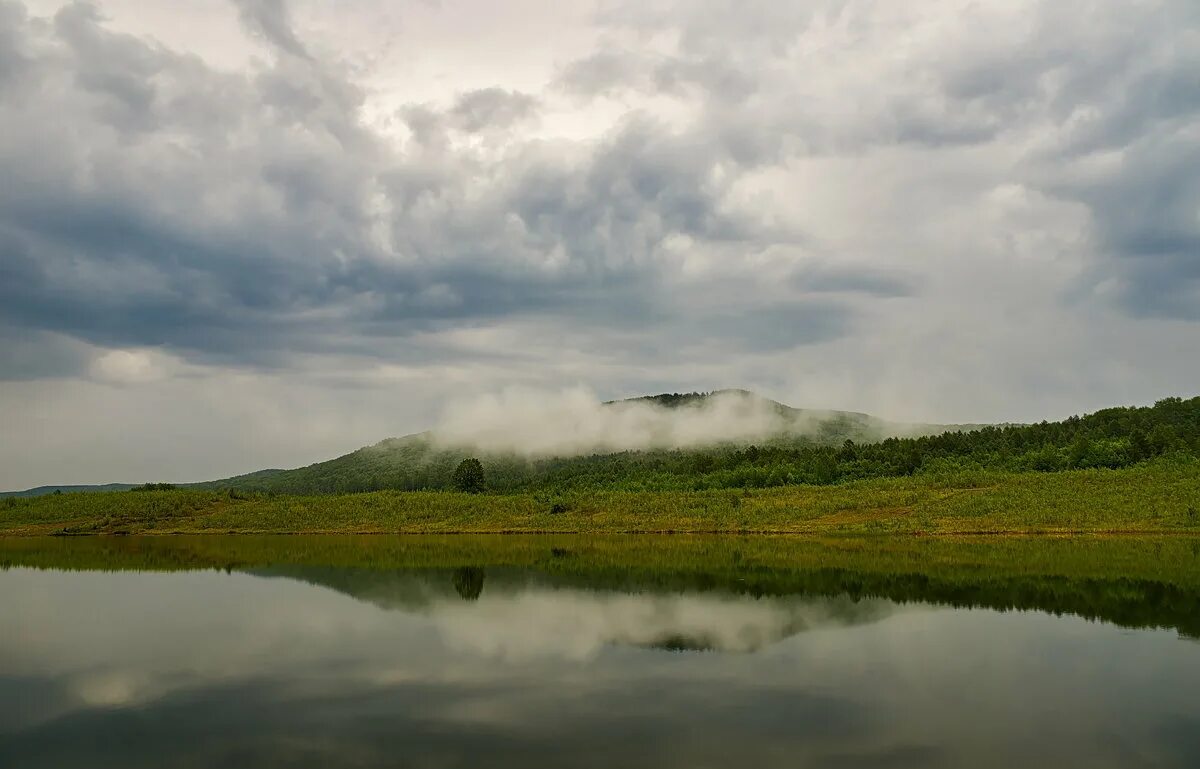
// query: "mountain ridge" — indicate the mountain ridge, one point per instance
point(421, 461)
point(428, 464)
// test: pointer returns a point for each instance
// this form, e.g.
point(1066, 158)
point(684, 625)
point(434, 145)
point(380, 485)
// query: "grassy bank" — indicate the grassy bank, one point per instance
point(1160, 497)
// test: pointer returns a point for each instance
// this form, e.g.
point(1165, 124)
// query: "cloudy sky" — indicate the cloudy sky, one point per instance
point(259, 233)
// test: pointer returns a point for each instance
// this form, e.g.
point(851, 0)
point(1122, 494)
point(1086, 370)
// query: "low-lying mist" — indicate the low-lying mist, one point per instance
point(574, 421)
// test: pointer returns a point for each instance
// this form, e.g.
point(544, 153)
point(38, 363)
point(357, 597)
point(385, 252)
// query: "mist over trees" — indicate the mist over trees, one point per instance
point(1111, 438)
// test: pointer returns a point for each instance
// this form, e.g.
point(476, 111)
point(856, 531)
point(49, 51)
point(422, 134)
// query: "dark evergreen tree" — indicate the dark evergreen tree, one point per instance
point(468, 476)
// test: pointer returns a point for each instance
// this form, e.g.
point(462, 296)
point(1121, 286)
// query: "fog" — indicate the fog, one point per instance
point(575, 421)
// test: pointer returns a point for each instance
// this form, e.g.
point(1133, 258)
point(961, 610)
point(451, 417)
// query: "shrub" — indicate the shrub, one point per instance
point(155, 487)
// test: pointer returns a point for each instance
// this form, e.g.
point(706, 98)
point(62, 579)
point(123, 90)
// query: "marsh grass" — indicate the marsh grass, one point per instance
point(1155, 497)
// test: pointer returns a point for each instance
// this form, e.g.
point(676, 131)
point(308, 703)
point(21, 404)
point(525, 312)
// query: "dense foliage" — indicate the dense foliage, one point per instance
point(1112, 438)
point(468, 476)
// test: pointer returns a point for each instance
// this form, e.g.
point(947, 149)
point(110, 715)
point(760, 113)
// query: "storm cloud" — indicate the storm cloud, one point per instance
point(956, 211)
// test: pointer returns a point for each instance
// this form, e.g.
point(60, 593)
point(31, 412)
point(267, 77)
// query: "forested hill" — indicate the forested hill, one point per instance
point(414, 462)
point(419, 462)
point(823, 448)
point(1112, 438)
point(820, 426)
point(839, 446)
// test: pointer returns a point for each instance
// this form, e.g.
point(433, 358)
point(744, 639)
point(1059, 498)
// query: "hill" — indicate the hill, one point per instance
point(804, 447)
point(422, 461)
point(43, 490)
point(734, 439)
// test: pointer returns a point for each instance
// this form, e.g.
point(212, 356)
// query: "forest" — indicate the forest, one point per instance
point(1116, 471)
point(1111, 438)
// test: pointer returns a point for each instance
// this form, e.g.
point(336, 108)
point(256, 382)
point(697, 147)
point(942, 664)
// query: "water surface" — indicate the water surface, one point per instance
point(665, 652)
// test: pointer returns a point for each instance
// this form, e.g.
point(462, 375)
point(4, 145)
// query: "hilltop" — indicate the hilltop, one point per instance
point(39, 491)
point(687, 442)
point(423, 461)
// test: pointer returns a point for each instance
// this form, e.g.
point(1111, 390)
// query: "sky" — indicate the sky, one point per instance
point(244, 234)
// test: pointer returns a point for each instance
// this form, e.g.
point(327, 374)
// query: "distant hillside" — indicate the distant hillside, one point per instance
point(410, 463)
point(823, 426)
point(43, 490)
point(698, 441)
point(420, 462)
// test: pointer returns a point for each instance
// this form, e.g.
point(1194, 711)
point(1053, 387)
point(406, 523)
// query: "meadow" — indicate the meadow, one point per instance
point(1156, 496)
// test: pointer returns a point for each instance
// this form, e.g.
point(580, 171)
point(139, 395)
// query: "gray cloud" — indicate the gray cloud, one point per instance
point(1123, 83)
point(243, 217)
point(600, 72)
point(778, 327)
point(485, 108)
point(32, 355)
point(273, 219)
point(832, 278)
point(271, 20)
point(12, 56)
point(1125, 148)
point(1147, 219)
point(665, 193)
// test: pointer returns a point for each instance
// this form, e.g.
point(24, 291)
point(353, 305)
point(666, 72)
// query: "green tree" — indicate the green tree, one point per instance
point(1080, 451)
point(1139, 445)
point(468, 476)
point(1162, 438)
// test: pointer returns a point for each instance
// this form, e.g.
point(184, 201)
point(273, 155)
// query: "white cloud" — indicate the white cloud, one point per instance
point(129, 366)
point(574, 421)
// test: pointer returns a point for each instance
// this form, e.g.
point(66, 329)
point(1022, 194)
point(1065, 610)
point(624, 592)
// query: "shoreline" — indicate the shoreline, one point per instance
point(713, 533)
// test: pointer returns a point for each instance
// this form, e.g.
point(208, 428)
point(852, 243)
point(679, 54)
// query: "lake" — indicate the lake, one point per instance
point(600, 652)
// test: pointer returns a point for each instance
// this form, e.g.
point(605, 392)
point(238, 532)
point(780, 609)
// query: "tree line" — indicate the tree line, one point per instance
point(1111, 438)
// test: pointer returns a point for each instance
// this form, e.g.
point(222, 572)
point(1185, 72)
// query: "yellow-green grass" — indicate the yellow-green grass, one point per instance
point(1172, 558)
point(1153, 498)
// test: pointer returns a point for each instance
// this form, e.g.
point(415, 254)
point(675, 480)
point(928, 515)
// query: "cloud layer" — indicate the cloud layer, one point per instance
point(574, 422)
point(957, 211)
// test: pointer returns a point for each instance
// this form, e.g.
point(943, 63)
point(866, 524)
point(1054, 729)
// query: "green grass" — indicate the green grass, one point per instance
point(1157, 497)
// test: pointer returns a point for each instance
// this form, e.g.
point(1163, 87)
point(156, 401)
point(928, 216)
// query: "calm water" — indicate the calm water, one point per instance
point(305, 664)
